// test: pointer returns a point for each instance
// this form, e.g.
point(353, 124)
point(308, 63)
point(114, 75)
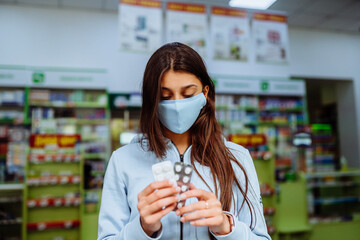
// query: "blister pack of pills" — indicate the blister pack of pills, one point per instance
point(164, 171)
point(183, 174)
point(180, 175)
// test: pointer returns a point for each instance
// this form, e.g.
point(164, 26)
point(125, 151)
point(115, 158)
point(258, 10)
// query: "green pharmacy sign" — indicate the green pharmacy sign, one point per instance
point(264, 86)
point(38, 77)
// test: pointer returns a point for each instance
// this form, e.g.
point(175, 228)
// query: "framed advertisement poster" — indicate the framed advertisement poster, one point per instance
point(270, 35)
point(140, 25)
point(186, 23)
point(230, 34)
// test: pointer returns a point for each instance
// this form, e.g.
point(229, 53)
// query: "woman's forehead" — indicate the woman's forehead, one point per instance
point(174, 80)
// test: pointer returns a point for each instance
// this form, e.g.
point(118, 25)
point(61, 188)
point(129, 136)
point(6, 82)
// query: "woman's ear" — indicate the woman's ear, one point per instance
point(206, 91)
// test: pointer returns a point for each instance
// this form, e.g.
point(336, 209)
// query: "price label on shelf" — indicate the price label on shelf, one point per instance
point(68, 224)
point(31, 203)
point(58, 202)
point(64, 180)
point(75, 179)
point(41, 226)
point(44, 203)
point(58, 158)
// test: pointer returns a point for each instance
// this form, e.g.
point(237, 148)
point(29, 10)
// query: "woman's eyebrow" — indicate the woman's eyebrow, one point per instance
point(188, 86)
point(166, 89)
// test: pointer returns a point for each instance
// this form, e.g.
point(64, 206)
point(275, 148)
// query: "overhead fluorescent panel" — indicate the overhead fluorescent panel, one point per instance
point(254, 4)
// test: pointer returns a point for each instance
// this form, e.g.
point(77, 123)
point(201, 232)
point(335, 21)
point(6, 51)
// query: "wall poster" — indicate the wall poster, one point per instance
point(186, 23)
point(140, 25)
point(270, 34)
point(230, 34)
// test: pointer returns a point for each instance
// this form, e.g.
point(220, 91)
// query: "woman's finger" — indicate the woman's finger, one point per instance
point(200, 205)
point(199, 193)
point(192, 186)
point(208, 222)
point(154, 218)
point(158, 205)
point(200, 214)
point(154, 186)
point(162, 193)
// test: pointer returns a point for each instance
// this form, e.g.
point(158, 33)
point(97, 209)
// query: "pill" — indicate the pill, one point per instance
point(184, 188)
point(188, 170)
point(186, 179)
point(166, 168)
point(164, 171)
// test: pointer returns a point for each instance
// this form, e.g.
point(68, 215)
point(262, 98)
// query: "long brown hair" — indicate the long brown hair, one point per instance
point(208, 146)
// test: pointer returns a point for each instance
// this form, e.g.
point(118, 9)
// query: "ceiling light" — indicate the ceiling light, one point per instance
point(255, 4)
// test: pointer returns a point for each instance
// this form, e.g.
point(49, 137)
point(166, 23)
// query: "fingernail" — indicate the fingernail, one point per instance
point(178, 189)
point(177, 197)
point(182, 219)
point(177, 212)
point(182, 196)
point(192, 222)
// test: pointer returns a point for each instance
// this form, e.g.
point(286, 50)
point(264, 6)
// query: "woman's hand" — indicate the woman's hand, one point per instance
point(207, 211)
point(154, 202)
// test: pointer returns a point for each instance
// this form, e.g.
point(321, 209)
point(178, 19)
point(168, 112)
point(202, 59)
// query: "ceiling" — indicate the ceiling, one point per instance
point(333, 15)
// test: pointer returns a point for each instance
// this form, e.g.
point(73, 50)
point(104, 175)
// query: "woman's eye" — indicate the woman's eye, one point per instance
point(165, 97)
point(188, 95)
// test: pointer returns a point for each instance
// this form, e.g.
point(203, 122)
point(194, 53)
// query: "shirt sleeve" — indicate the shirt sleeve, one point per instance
point(114, 216)
point(242, 229)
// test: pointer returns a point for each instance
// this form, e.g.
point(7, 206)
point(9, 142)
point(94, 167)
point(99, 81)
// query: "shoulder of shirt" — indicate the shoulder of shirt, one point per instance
point(128, 149)
point(233, 147)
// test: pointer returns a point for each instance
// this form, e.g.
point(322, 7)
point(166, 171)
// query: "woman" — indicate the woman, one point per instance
point(178, 123)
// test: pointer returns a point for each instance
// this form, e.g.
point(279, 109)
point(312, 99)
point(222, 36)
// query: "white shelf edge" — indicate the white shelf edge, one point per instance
point(9, 186)
point(331, 174)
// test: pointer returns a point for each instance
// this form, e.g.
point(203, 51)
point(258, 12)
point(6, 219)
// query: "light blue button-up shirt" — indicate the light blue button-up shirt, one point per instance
point(130, 170)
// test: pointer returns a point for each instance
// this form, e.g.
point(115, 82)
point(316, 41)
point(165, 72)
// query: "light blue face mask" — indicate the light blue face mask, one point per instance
point(179, 115)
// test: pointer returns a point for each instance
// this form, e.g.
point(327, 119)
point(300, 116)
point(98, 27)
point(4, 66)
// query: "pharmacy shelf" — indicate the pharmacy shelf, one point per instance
point(93, 138)
point(10, 105)
point(97, 173)
point(54, 202)
point(41, 226)
point(14, 221)
point(53, 180)
point(332, 174)
point(253, 109)
point(94, 155)
point(269, 211)
point(336, 200)
point(54, 158)
point(67, 105)
point(238, 122)
point(11, 187)
point(81, 121)
point(279, 124)
point(239, 108)
point(263, 123)
point(298, 109)
point(330, 220)
point(11, 121)
point(12, 199)
point(333, 184)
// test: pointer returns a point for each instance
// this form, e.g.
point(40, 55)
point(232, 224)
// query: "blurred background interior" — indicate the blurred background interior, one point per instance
point(287, 76)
